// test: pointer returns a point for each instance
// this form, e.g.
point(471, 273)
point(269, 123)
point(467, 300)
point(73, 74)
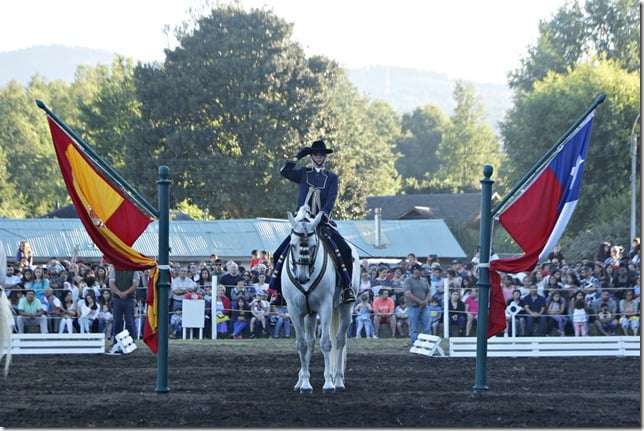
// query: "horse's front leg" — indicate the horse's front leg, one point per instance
point(325, 346)
point(344, 315)
point(300, 344)
point(305, 338)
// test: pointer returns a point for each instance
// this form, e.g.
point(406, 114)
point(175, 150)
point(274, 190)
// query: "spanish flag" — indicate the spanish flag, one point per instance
point(111, 218)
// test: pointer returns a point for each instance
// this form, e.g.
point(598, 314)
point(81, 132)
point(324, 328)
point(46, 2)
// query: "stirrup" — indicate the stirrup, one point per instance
point(348, 295)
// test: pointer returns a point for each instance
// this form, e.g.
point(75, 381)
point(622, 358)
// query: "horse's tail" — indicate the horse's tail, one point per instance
point(6, 320)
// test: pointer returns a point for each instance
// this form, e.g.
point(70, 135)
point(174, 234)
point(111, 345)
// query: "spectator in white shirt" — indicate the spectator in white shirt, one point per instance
point(180, 286)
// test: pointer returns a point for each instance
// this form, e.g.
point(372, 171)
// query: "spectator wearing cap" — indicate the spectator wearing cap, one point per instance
point(418, 295)
point(457, 266)
point(218, 268)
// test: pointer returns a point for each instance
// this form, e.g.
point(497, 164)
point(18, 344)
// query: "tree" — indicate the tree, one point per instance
point(225, 108)
point(108, 116)
point(468, 144)
point(605, 28)
point(422, 132)
point(539, 118)
point(32, 170)
point(365, 162)
point(233, 100)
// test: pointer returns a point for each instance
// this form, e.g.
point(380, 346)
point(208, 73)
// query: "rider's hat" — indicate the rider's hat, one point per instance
point(319, 147)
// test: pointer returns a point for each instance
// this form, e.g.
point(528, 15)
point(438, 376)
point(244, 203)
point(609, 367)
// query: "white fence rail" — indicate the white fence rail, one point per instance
point(513, 347)
point(49, 344)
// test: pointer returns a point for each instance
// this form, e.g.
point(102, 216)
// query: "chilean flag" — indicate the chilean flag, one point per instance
point(538, 217)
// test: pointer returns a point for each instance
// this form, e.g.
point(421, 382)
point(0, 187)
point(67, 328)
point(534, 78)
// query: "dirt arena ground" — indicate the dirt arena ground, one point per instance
point(248, 383)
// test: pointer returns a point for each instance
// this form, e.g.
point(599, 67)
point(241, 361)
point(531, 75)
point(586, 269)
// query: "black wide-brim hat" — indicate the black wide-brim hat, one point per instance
point(319, 147)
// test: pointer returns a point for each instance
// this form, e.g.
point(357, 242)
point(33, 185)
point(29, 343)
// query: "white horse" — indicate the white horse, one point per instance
point(6, 316)
point(309, 286)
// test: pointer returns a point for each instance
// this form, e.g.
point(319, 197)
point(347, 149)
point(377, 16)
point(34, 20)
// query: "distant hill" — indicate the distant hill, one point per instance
point(54, 62)
point(404, 89)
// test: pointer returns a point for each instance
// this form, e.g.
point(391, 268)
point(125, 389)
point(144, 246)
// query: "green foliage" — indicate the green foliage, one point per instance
point(605, 28)
point(364, 160)
point(225, 108)
point(468, 144)
point(542, 116)
point(191, 210)
point(422, 132)
point(108, 116)
point(469, 239)
point(234, 99)
point(611, 217)
point(32, 175)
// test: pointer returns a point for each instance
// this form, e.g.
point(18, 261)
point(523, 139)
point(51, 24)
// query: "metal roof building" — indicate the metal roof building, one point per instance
point(230, 239)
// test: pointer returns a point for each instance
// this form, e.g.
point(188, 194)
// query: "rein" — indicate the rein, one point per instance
point(318, 279)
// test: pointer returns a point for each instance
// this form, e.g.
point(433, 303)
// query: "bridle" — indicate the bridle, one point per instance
point(305, 258)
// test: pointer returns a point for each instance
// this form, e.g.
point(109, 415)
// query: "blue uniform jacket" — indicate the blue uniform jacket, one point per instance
point(326, 181)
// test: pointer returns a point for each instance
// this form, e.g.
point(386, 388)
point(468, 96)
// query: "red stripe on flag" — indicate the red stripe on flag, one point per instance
point(531, 218)
point(135, 224)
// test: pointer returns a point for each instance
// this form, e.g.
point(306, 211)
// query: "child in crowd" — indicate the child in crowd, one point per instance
point(69, 313)
point(139, 317)
point(88, 313)
point(259, 309)
point(176, 323)
point(105, 319)
point(402, 319)
point(435, 314)
point(580, 318)
point(363, 319)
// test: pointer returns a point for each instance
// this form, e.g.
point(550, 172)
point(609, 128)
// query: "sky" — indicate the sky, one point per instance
point(474, 40)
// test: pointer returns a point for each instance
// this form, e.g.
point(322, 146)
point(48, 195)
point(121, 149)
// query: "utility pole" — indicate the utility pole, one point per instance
point(633, 176)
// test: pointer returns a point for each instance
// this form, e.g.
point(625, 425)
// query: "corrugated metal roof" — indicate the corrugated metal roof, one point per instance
point(233, 239)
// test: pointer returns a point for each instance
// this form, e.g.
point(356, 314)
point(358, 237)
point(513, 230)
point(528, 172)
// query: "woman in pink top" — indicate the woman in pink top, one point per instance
point(472, 310)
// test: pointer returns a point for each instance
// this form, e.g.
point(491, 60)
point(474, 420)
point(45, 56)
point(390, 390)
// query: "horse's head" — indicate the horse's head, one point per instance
point(304, 242)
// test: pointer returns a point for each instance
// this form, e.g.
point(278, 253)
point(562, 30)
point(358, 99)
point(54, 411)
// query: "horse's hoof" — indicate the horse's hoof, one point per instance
point(329, 390)
point(304, 391)
point(340, 389)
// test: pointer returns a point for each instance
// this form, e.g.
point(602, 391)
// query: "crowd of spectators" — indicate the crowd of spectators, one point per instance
point(598, 295)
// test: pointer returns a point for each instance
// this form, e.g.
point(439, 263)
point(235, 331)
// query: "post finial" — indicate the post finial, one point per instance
point(487, 171)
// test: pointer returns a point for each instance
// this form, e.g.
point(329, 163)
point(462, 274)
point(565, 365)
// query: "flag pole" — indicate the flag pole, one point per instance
point(163, 283)
point(483, 283)
point(546, 156)
point(103, 165)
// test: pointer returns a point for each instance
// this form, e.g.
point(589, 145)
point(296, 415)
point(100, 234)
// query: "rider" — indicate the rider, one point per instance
point(318, 188)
